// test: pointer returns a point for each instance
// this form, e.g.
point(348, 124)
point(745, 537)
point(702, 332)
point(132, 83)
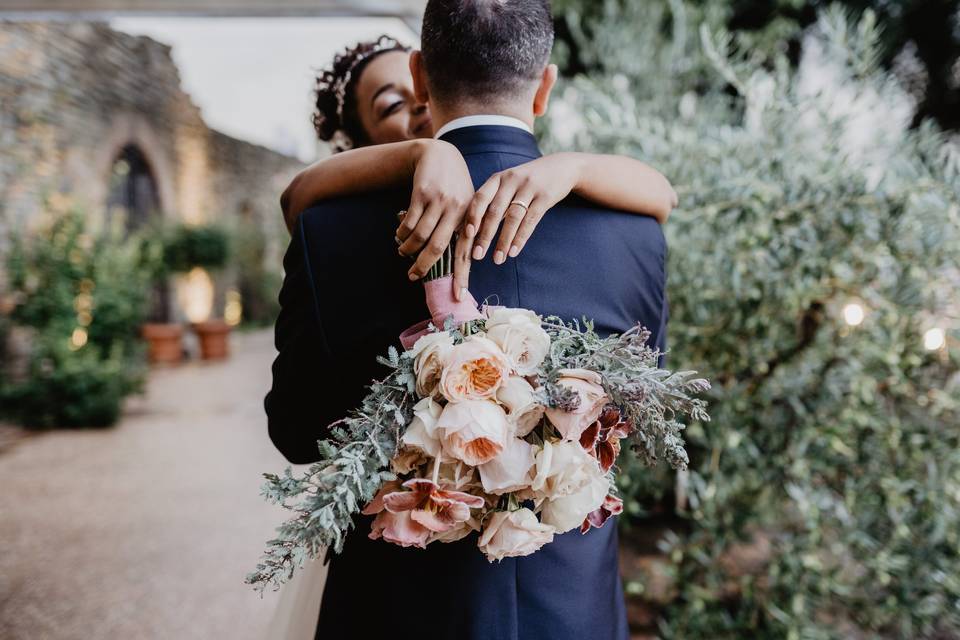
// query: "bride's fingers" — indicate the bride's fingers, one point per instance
point(517, 210)
point(461, 266)
point(410, 220)
point(535, 213)
point(477, 209)
point(440, 239)
point(419, 235)
point(492, 217)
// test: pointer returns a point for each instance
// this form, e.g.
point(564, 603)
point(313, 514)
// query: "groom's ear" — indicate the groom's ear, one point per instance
point(419, 74)
point(542, 98)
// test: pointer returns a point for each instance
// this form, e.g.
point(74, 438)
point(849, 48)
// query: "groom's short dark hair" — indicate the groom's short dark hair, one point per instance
point(485, 48)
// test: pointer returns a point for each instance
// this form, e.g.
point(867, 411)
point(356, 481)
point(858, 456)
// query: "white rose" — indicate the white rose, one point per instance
point(474, 370)
point(513, 533)
point(474, 431)
point(521, 337)
point(518, 397)
point(568, 512)
point(421, 432)
point(509, 471)
point(562, 468)
point(430, 354)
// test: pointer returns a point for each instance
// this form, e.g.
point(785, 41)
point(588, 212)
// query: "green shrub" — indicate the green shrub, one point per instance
point(189, 246)
point(837, 445)
point(84, 297)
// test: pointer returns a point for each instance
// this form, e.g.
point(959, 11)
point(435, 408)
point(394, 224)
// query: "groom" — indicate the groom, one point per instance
point(484, 72)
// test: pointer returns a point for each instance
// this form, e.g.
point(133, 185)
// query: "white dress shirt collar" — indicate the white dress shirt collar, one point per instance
point(477, 120)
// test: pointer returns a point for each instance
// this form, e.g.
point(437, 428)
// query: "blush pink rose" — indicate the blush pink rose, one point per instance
point(588, 385)
point(473, 431)
point(509, 471)
point(509, 534)
point(523, 409)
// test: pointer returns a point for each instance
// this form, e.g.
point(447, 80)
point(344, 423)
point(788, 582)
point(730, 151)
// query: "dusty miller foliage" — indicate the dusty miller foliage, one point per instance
point(834, 447)
point(355, 458)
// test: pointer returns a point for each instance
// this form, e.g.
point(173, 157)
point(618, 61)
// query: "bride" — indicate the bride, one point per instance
point(383, 138)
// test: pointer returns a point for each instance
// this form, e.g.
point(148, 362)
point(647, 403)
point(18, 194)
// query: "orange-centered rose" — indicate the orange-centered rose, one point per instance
point(474, 370)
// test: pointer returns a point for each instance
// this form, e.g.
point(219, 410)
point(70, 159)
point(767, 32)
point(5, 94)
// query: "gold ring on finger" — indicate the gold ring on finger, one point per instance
point(520, 203)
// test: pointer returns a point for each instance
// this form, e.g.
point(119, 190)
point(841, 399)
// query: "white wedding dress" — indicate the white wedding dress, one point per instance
point(298, 606)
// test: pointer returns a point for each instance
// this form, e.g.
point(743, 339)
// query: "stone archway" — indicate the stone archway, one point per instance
point(133, 189)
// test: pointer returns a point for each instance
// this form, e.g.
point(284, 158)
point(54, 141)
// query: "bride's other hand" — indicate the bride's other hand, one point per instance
point(519, 197)
point(442, 189)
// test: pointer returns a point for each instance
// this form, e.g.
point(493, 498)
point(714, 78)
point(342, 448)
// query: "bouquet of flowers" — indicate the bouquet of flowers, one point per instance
point(494, 421)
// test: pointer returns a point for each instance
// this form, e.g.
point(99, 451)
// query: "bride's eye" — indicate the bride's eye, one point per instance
point(391, 108)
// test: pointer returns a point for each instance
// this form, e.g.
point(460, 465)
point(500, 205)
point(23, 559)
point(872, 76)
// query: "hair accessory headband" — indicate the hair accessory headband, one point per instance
point(340, 88)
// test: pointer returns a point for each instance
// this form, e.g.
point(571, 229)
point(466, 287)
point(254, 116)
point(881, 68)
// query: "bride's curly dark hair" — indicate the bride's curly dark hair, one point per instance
point(326, 119)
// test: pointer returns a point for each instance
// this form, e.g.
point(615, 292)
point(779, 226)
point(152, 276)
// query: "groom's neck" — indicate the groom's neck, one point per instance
point(442, 114)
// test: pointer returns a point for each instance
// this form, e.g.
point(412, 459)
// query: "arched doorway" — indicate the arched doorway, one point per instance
point(133, 195)
point(133, 189)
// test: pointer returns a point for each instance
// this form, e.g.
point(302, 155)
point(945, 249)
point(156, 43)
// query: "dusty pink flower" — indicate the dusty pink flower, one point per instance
point(602, 438)
point(612, 506)
point(398, 528)
point(588, 385)
point(436, 509)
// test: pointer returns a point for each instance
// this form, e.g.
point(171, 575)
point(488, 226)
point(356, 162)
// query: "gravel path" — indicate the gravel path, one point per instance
point(145, 531)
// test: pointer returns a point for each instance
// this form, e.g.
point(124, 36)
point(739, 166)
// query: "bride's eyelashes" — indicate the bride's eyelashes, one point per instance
point(391, 109)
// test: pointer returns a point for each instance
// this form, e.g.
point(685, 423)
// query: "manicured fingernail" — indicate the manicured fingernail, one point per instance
point(397, 240)
point(478, 252)
point(498, 257)
point(514, 250)
point(412, 275)
point(470, 230)
point(462, 294)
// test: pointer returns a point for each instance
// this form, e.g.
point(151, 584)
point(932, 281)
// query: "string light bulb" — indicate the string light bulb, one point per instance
point(934, 339)
point(853, 314)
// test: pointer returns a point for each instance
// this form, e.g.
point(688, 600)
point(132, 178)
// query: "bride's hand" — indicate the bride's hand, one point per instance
point(520, 196)
point(442, 189)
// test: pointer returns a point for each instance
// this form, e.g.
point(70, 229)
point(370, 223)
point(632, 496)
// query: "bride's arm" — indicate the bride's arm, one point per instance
point(617, 182)
point(381, 166)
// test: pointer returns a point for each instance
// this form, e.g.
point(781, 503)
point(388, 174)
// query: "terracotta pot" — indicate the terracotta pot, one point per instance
point(213, 335)
point(165, 342)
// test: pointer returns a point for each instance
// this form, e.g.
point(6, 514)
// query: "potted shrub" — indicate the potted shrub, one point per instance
point(195, 251)
point(164, 338)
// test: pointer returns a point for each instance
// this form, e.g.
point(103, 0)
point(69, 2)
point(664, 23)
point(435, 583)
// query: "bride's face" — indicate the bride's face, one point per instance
point(386, 107)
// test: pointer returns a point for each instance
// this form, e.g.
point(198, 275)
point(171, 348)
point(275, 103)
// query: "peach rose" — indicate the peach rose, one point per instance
point(429, 356)
point(509, 471)
point(523, 410)
point(473, 431)
point(588, 385)
point(569, 511)
point(521, 337)
point(513, 533)
point(474, 370)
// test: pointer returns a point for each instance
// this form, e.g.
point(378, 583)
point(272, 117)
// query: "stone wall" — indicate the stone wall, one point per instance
point(73, 95)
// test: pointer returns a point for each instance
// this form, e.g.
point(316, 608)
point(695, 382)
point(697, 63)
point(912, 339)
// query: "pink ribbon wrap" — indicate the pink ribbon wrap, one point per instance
point(442, 305)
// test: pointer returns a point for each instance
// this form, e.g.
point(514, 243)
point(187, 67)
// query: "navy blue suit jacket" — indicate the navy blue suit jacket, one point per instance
point(346, 298)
